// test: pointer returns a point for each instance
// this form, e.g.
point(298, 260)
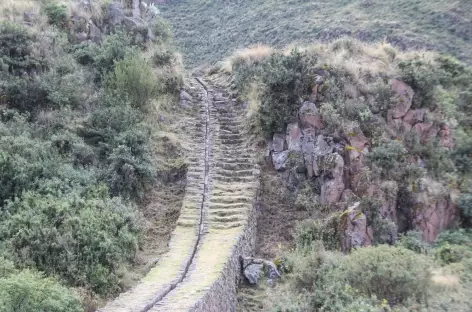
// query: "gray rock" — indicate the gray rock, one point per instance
point(253, 272)
point(310, 117)
point(81, 37)
point(184, 96)
point(29, 17)
point(135, 8)
point(271, 270)
point(95, 34)
point(294, 137)
point(278, 142)
point(286, 160)
point(115, 13)
point(134, 22)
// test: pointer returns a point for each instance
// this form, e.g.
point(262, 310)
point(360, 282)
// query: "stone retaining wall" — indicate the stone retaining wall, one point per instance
point(222, 295)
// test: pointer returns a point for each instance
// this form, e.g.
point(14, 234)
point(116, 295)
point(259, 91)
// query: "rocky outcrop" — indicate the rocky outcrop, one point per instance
point(84, 26)
point(309, 117)
point(403, 95)
point(338, 162)
point(355, 232)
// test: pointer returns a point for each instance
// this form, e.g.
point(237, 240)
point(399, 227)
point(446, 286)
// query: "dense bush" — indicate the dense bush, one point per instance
point(114, 48)
point(455, 237)
point(56, 13)
point(82, 237)
point(29, 291)
point(285, 80)
point(465, 206)
point(16, 46)
point(388, 155)
point(453, 253)
point(309, 231)
point(391, 273)
point(75, 157)
point(369, 279)
point(132, 79)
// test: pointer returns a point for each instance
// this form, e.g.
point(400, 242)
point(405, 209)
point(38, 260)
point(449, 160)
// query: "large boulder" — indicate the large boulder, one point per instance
point(445, 137)
point(278, 142)
point(331, 191)
point(286, 160)
point(414, 116)
point(404, 98)
point(310, 117)
point(433, 209)
point(294, 137)
point(115, 14)
point(95, 34)
point(354, 230)
point(332, 168)
point(358, 143)
point(254, 269)
point(253, 272)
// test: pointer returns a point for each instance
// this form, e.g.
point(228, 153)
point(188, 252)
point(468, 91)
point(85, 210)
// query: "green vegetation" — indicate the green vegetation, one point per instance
point(381, 278)
point(76, 157)
point(225, 26)
point(355, 100)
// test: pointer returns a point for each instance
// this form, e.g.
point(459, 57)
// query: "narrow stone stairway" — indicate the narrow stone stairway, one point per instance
point(216, 225)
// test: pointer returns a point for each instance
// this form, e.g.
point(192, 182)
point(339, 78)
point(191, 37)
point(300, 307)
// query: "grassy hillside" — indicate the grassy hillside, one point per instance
point(210, 30)
point(83, 151)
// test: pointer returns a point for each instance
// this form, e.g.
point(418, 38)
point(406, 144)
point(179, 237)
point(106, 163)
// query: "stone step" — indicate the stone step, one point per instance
point(214, 219)
point(230, 199)
point(235, 173)
point(227, 225)
point(235, 166)
point(228, 212)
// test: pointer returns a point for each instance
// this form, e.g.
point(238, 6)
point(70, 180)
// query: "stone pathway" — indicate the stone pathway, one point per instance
point(217, 220)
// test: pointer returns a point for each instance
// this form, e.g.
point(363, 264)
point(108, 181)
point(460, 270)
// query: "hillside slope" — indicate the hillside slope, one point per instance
point(230, 25)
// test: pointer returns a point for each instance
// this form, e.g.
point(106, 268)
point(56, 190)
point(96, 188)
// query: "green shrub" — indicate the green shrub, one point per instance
point(309, 231)
point(57, 14)
point(128, 175)
point(22, 162)
point(28, 291)
point(465, 206)
point(413, 240)
point(133, 79)
point(163, 57)
point(16, 46)
point(114, 48)
point(453, 253)
point(81, 237)
point(455, 237)
point(388, 155)
point(392, 273)
point(285, 80)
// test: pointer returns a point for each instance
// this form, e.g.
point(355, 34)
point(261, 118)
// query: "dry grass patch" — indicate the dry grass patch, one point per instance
point(13, 10)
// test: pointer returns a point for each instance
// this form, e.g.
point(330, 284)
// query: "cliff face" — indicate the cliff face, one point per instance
point(339, 161)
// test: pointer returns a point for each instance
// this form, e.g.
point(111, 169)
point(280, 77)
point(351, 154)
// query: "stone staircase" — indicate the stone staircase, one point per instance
point(217, 220)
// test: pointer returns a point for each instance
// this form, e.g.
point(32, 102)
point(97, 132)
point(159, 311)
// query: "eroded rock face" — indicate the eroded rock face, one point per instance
point(355, 232)
point(115, 14)
point(310, 117)
point(286, 160)
point(294, 137)
point(278, 143)
point(337, 162)
point(433, 209)
point(404, 98)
